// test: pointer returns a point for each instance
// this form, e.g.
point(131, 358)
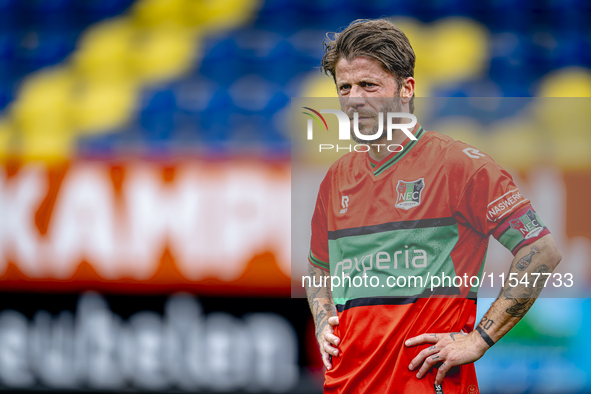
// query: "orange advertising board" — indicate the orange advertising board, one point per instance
point(213, 227)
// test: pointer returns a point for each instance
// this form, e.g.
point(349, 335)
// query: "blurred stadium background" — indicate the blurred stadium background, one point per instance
point(145, 182)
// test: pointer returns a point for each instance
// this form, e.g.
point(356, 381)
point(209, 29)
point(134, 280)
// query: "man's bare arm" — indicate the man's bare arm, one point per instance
point(324, 313)
point(513, 303)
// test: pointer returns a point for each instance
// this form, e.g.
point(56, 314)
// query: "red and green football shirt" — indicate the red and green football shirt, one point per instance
point(386, 229)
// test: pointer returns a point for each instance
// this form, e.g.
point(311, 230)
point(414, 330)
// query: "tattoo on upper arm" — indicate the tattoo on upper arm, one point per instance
point(525, 261)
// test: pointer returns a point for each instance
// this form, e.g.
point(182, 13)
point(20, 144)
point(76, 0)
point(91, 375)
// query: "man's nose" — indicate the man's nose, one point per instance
point(356, 97)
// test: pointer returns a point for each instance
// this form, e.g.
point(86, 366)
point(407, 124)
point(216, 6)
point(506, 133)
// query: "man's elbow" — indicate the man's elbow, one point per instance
point(554, 254)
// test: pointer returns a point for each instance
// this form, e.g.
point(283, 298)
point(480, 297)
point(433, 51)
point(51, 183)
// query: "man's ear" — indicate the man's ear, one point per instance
point(407, 90)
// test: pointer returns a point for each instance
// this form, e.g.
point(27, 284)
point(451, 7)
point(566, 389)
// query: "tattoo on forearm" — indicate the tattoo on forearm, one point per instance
point(523, 297)
point(315, 296)
point(525, 261)
point(330, 308)
point(486, 322)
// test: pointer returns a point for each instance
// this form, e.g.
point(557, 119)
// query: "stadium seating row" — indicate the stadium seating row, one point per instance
point(151, 77)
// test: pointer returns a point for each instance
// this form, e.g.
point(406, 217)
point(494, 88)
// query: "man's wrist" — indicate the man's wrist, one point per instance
point(484, 340)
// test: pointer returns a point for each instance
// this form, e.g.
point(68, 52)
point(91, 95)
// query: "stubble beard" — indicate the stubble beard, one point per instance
point(393, 105)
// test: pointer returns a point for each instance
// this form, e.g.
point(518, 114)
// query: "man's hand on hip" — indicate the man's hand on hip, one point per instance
point(328, 342)
point(450, 349)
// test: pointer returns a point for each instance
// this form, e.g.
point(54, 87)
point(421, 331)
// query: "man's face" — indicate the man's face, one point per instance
point(366, 88)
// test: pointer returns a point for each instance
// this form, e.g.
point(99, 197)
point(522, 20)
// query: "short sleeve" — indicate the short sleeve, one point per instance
point(319, 242)
point(489, 200)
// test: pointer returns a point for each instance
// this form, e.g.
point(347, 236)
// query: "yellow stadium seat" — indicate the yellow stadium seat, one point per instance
point(104, 49)
point(96, 107)
point(6, 138)
point(163, 53)
point(564, 107)
point(457, 50)
point(318, 85)
point(150, 13)
point(49, 144)
point(43, 100)
point(566, 82)
point(215, 15)
point(450, 50)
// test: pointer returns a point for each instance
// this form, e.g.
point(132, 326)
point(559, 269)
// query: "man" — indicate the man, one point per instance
point(422, 211)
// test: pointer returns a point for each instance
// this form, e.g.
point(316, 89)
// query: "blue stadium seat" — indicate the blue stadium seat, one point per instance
point(281, 65)
point(254, 47)
point(48, 13)
point(272, 17)
point(324, 14)
point(508, 67)
point(569, 15)
point(476, 88)
point(88, 11)
point(6, 92)
point(157, 109)
point(308, 49)
point(373, 8)
point(203, 106)
point(507, 15)
point(543, 46)
point(443, 8)
point(106, 145)
point(7, 14)
point(572, 49)
point(256, 101)
point(40, 48)
point(7, 55)
point(220, 62)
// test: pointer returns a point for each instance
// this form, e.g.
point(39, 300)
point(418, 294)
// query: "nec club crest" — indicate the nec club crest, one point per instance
point(528, 225)
point(409, 193)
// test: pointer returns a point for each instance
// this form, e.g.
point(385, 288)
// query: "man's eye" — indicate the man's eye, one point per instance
point(345, 87)
point(367, 84)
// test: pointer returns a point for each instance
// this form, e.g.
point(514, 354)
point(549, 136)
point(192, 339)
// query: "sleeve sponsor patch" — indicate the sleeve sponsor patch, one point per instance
point(522, 228)
point(505, 204)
